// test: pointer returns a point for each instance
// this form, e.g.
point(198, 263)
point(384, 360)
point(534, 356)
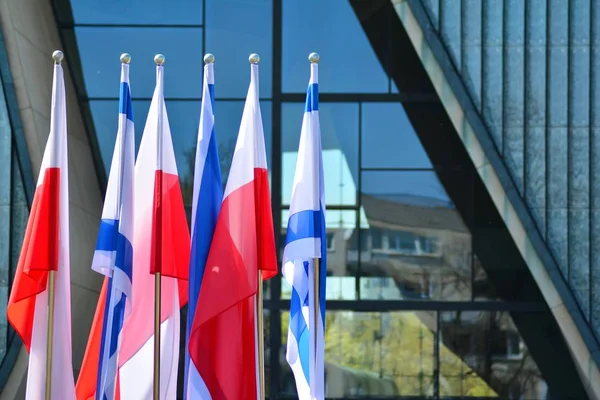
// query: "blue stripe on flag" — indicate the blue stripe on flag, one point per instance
point(125, 101)
point(298, 327)
point(312, 98)
point(211, 90)
point(107, 236)
point(124, 259)
point(119, 313)
point(303, 225)
point(208, 207)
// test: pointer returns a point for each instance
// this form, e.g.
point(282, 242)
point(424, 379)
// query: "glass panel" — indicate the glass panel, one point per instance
point(100, 49)
point(482, 354)
point(414, 245)
point(388, 138)
point(341, 266)
point(339, 138)
point(184, 117)
point(483, 288)
point(153, 12)
point(232, 38)
point(385, 354)
point(313, 25)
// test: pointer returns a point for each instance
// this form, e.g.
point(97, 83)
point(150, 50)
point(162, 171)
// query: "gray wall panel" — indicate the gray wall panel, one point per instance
point(532, 69)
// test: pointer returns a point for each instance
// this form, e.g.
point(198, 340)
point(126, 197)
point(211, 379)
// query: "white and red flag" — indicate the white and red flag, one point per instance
point(161, 243)
point(46, 248)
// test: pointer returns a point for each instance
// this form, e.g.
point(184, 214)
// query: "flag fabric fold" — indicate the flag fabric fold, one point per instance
point(206, 204)
point(161, 243)
point(46, 248)
point(305, 242)
point(223, 338)
point(113, 257)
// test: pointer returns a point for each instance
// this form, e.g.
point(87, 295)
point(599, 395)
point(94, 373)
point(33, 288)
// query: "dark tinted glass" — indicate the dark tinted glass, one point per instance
point(388, 138)
point(137, 12)
point(348, 62)
point(100, 48)
point(234, 30)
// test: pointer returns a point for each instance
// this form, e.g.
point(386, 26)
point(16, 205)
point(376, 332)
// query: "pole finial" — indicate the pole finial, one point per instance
point(209, 58)
point(254, 58)
point(314, 58)
point(58, 56)
point(125, 58)
point(159, 59)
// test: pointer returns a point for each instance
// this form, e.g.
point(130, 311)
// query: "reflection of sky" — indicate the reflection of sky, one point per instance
point(137, 12)
point(321, 26)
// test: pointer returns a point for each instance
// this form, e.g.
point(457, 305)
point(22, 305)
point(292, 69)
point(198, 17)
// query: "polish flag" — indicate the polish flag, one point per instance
point(46, 248)
point(224, 337)
point(161, 243)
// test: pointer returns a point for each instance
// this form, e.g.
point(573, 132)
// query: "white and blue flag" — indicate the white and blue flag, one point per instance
point(305, 242)
point(206, 205)
point(114, 253)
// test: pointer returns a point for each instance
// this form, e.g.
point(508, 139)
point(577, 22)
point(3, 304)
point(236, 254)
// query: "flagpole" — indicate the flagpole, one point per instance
point(260, 333)
point(50, 335)
point(57, 56)
point(316, 265)
point(261, 336)
point(159, 60)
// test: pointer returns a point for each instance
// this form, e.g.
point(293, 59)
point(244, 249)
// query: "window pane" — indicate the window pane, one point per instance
point(339, 138)
point(332, 29)
point(184, 117)
point(483, 354)
point(150, 12)
point(415, 244)
point(386, 354)
point(100, 49)
point(388, 138)
point(232, 38)
point(341, 267)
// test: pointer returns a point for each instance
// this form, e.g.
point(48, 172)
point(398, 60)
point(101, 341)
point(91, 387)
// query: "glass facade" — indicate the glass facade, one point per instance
point(414, 308)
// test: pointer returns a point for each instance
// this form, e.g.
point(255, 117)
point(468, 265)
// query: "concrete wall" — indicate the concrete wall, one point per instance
point(31, 36)
point(582, 345)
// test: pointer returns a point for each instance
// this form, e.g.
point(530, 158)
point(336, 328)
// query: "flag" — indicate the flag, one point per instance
point(223, 339)
point(46, 248)
point(114, 258)
point(161, 243)
point(206, 203)
point(304, 242)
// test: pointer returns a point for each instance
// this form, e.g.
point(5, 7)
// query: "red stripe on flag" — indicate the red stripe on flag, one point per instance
point(39, 254)
point(86, 383)
point(267, 257)
point(222, 342)
point(170, 254)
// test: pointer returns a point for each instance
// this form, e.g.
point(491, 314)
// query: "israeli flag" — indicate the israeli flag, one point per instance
point(114, 253)
point(306, 241)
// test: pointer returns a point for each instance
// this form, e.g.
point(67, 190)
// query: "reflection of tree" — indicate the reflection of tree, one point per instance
point(396, 347)
point(481, 340)
point(187, 181)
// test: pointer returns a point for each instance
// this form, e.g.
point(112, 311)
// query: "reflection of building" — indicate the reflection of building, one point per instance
point(419, 248)
point(420, 244)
